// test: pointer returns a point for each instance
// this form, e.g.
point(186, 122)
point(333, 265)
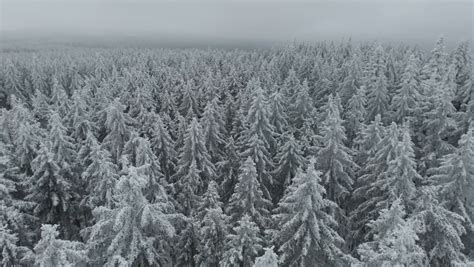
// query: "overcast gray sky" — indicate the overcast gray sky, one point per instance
point(413, 21)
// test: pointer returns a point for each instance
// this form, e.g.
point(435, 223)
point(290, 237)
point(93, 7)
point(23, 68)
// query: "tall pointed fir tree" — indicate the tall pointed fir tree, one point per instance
point(441, 229)
point(28, 136)
point(438, 125)
point(117, 129)
point(139, 153)
point(163, 146)
point(291, 86)
point(258, 140)
point(244, 246)
point(258, 120)
point(229, 170)
point(301, 109)
point(462, 61)
point(212, 228)
point(248, 198)
point(59, 99)
point(41, 107)
point(368, 192)
point(100, 174)
point(13, 254)
point(142, 106)
point(377, 87)
point(189, 106)
point(407, 101)
point(268, 259)
point(307, 235)
point(55, 184)
point(133, 231)
point(51, 251)
point(399, 180)
point(395, 240)
point(78, 118)
point(50, 190)
point(213, 130)
point(288, 159)
point(454, 179)
point(195, 169)
point(277, 109)
point(14, 220)
point(367, 140)
point(437, 63)
point(355, 114)
point(334, 158)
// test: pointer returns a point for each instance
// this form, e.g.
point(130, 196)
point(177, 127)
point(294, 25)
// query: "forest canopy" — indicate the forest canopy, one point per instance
point(326, 154)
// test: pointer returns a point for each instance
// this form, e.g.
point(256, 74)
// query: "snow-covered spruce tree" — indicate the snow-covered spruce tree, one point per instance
point(214, 130)
point(210, 200)
point(100, 174)
point(139, 153)
point(334, 159)
point(395, 240)
point(51, 190)
point(248, 198)
point(455, 181)
point(438, 126)
point(441, 229)
point(307, 235)
point(399, 180)
point(228, 170)
point(12, 252)
point(117, 129)
point(277, 109)
point(268, 259)
point(62, 145)
point(163, 146)
point(41, 107)
point(212, 228)
point(11, 80)
point(134, 231)
point(406, 103)
point(59, 100)
point(256, 150)
point(51, 251)
point(142, 107)
point(368, 193)
point(367, 140)
point(302, 108)
point(462, 61)
point(26, 142)
point(258, 140)
point(244, 245)
point(195, 169)
point(14, 221)
point(288, 159)
point(355, 114)
point(78, 118)
point(37, 76)
point(189, 106)
point(291, 86)
point(437, 63)
point(377, 87)
point(258, 122)
point(14, 210)
point(351, 82)
point(466, 116)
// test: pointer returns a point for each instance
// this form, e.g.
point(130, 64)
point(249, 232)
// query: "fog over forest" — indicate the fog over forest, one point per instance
point(236, 23)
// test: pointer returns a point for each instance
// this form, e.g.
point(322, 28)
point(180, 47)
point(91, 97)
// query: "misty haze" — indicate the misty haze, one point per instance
point(236, 133)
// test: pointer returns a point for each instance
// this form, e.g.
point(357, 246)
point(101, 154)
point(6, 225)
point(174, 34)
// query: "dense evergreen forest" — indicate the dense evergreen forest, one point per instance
point(327, 154)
